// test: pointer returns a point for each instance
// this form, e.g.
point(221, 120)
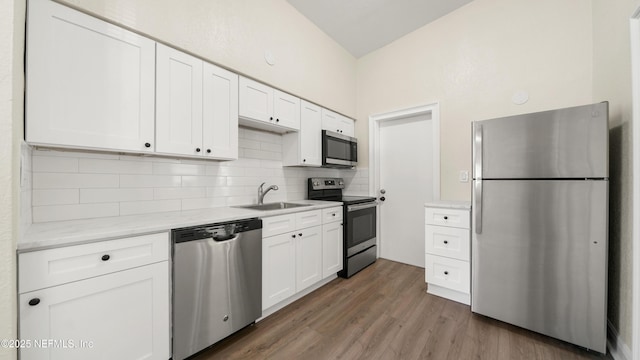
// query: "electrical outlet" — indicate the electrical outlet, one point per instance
point(464, 176)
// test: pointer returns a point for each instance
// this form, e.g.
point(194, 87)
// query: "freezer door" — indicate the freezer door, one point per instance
point(565, 143)
point(540, 261)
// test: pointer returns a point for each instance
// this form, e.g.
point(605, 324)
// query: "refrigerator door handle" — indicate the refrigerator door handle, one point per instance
point(477, 163)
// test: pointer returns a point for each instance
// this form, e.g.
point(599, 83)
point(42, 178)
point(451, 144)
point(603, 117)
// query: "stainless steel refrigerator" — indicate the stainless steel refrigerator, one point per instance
point(540, 219)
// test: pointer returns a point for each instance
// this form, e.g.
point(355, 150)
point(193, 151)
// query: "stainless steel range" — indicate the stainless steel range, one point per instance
point(359, 220)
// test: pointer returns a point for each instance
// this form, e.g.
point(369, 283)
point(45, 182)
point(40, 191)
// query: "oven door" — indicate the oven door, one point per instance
point(339, 150)
point(360, 232)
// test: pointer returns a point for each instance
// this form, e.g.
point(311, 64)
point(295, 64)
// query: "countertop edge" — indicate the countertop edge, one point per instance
point(446, 204)
point(42, 236)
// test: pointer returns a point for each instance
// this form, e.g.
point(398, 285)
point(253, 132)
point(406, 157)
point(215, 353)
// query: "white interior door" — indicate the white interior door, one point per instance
point(406, 177)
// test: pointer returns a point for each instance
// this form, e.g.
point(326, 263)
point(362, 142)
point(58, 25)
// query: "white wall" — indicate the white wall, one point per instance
point(11, 105)
point(472, 61)
point(612, 81)
point(236, 34)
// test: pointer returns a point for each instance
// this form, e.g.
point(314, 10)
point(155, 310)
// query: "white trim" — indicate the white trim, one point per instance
point(617, 348)
point(374, 148)
point(635, 126)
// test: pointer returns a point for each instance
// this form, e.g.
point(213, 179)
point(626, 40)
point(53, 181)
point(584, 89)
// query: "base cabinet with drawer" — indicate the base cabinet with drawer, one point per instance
point(447, 250)
point(102, 300)
point(291, 254)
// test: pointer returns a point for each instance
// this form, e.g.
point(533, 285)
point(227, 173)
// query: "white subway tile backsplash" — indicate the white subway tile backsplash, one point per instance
point(55, 197)
point(72, 212)
point(179, 193)
point(54, 164)
point(67, 185)
point(73, 181)
point(149, 181)
point(102, 166)
point(114, 195)
point(203, 203)
point(148, 207)
point(179, 169)
point(203, 181)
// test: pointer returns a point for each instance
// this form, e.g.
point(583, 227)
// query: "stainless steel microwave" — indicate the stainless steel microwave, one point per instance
point(339, 151)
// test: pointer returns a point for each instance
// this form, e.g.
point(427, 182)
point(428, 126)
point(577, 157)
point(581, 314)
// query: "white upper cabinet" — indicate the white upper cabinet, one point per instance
point(89, 84)
point(335, 122)
point(179, 102)
point(196, 107)
point(305, 147)
point(264, 107)
point(220, 112)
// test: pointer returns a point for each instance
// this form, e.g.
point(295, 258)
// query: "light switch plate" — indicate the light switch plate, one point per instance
point(464, 176)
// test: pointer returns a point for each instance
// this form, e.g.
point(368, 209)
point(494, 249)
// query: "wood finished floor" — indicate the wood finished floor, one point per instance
point(384, 312)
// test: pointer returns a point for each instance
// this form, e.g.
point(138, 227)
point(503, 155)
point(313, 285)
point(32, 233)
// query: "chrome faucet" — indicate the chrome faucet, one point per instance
point(262, 193)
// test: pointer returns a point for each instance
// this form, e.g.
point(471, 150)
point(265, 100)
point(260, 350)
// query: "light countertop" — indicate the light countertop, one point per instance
point(449, 204)
point(64, 233)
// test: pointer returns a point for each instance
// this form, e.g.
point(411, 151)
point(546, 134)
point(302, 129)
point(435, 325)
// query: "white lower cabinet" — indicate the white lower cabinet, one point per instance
point(293, 257)
point(447, 251)
point(308, 257)
point(278, 268)
point(116, 315)
point(332, 245)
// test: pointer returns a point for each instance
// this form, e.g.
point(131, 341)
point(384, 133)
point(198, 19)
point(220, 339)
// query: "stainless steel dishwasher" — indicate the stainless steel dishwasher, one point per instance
point(217, 283)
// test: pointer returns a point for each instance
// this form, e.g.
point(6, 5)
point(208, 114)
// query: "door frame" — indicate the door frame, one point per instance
point(375, 121)
point(635, 237)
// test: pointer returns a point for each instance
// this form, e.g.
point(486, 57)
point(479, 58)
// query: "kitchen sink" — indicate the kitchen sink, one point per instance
point(272, 206)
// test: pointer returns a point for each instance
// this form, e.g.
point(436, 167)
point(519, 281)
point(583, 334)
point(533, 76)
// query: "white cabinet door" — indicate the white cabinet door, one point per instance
point(256, 100)
point(179, 102)
point(331, 248)
point(347, 126)
point(220, 113)
point(278, 269)
point(330, 120)
point(124, 315)
point(310, 134)
point(308, 257)
point(89, 84)
point(286, 110)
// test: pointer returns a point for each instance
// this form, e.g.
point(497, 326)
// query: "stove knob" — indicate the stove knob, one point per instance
point(316, 183)
point(341, 182)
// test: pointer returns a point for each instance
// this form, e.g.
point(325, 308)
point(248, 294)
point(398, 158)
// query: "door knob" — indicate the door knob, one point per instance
point(382, 198)
point(383, 191)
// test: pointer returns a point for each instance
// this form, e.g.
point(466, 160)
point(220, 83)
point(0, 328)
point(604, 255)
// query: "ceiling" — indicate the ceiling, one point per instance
point(362, 26)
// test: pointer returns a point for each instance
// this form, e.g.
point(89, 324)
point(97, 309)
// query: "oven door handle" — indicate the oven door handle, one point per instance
point(351, 208)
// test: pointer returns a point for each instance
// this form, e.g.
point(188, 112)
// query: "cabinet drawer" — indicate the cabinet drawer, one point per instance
point(308, 219)
point(449, 273)
point(276, 225)
point(332, 214)
point(447, 217)
point(42, 269)
point(447, 241)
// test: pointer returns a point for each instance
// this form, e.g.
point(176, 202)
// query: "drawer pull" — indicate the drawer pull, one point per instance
point(34, 301)
point(446, 273)
point(334, 214)
point(446, 242)
point(105, 257)
point(446, 218)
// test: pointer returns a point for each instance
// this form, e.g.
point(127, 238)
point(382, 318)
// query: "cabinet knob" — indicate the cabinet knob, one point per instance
point(208, 151)
point(197, 149)
point(446, 242)
point(271, 118)
point(277, 120)
point(293, 236)
point(446, 273)
point(304, 160)
point(446, 217)
point(147, 145)
point(225, 318)
point(334, 214)
point(300, 234)
point(105, 257)
point(34, 301)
